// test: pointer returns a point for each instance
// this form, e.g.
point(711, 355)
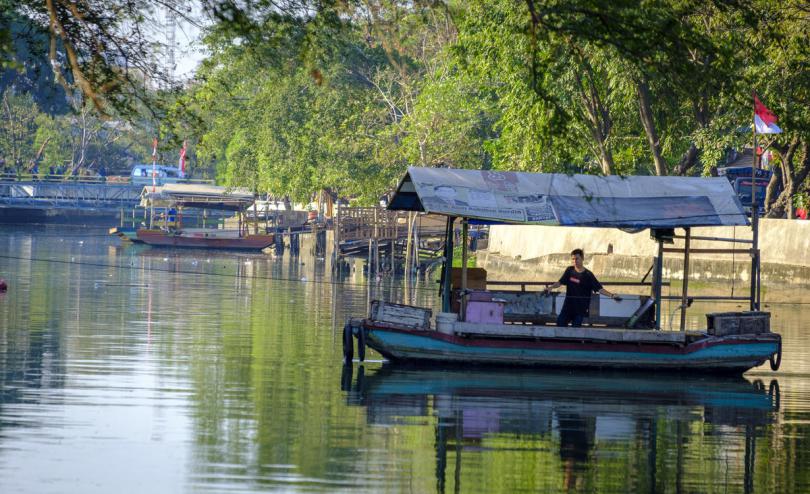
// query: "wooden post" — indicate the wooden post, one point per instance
point(408, 245)
point(415, 242)
point(393, 251)
point(369, 266)
point(685, 289)
point(336, 236)
point(376, 256)
point(376, 231)
point(255, 215)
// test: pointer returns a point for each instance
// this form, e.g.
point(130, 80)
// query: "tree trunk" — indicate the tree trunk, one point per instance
point(597, 115)
point(645, 112)
point(688, 160)
point(793, 176)
point(770, 192)
point(605, 158)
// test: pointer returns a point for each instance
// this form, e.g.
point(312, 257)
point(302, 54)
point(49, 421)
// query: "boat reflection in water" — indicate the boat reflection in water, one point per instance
point(575, 431)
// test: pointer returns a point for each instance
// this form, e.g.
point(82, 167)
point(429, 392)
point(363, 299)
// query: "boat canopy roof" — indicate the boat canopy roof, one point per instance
point(628, 202)
point(197, 196)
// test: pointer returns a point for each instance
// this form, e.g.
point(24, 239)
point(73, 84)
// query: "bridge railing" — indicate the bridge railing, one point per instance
point(88, 179)
point(30, 177)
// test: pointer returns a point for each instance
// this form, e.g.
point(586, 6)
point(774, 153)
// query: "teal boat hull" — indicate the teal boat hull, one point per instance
point(731, 354)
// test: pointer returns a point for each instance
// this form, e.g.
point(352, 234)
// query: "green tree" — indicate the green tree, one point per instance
point(18, 114)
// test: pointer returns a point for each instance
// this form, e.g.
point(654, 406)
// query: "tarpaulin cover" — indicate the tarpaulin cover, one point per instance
point(570, 200)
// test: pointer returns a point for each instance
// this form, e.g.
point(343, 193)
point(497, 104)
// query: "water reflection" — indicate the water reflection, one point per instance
point(599, 430)
point(217, 372)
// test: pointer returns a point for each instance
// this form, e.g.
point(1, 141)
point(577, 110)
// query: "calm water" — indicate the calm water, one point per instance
point(129, 369)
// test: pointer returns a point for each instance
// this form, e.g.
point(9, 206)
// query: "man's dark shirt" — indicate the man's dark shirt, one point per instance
point(578, 289)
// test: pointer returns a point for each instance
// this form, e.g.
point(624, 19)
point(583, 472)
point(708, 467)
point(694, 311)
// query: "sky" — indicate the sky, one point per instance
point(189, 51)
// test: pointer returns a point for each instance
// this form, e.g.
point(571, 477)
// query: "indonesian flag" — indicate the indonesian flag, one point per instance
point(764, 119)
point(182, 163)
point(154, 147)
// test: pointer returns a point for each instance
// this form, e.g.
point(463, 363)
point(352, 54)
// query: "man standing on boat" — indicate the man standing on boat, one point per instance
point(579, 284)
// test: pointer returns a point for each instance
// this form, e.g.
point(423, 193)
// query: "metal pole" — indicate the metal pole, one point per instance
point(464, 231)
point(755, 228)
point(448, 264)
point(685, 289)
point(659, 271)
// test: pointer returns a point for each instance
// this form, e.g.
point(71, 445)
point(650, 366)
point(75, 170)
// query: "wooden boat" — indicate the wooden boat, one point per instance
point(130, 234)
point(205, 238)
point(174, 198)
point(486, 326)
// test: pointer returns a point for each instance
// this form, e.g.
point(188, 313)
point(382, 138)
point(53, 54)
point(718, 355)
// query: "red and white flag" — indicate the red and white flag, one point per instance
point(182, 163)
point(154, 147)
point(764, 119)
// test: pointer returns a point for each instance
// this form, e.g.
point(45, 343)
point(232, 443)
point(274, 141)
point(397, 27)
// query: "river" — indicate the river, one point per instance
point(125, 368)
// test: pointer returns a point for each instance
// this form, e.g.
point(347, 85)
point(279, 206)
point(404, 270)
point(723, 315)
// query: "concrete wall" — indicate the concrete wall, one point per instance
point(535, 252)
point(780, 241)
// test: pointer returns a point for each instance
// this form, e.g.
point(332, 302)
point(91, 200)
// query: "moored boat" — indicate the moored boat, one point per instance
point(128, 233)
point(479, 325)
point(175, 198)
point(205, 238)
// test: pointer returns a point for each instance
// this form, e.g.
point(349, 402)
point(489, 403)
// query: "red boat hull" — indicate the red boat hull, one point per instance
point(168, 239)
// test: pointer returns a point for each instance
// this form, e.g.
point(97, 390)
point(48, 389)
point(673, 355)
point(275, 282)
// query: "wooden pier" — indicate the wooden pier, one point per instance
point(388, 239)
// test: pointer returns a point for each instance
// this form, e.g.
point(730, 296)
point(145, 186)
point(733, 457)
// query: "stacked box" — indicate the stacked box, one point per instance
point(731, 323)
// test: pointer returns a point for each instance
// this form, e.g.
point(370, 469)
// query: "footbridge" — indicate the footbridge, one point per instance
point(74, 194)
point(74, 201)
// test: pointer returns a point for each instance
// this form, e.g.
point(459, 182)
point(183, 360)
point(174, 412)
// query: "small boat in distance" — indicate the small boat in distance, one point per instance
point(482, 325)
point(168, 230)
point(126, 233)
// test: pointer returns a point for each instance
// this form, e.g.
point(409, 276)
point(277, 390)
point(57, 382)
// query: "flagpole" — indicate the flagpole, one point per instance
point(754, 224)
point(154, 179)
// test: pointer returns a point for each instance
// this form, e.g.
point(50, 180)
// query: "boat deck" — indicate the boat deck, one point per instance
point(209, 233)
point(479, 330)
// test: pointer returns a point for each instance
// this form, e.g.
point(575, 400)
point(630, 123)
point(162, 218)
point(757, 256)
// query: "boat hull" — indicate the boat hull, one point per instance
point(126, 233)
point(733, 354)
point(167, 239)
